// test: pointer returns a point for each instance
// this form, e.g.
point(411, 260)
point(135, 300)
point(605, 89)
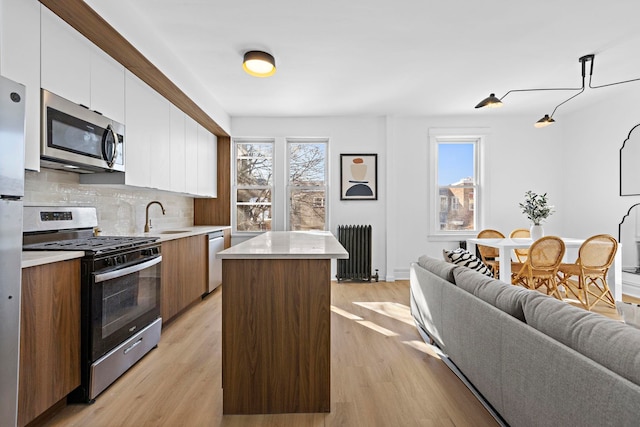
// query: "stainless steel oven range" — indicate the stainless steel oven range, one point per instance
point(120, 296)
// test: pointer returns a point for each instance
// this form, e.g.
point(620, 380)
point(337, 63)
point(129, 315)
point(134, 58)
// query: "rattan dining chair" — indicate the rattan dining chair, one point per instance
point(541, 267)
point(595, 256)
point(489, 255)
point(520, 233)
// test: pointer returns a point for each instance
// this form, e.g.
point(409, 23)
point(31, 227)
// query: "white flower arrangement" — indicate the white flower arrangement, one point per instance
point(536, 207)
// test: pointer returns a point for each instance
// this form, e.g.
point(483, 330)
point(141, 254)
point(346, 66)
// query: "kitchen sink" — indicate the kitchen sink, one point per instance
point(172, 231)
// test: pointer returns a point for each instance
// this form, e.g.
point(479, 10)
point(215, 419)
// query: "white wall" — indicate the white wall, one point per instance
point(346, 135)
point(517, 157)
point(592, 139)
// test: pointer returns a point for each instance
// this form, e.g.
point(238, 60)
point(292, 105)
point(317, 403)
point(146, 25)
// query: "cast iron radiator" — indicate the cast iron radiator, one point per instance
point(356, 239)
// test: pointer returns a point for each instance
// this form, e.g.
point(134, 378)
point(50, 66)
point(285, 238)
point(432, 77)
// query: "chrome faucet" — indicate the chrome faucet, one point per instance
point(147, 223)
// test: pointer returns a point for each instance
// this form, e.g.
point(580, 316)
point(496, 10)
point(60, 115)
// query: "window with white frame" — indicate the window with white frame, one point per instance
point(444, 203)
point(455, 184)
point(307, 184)
point(253, 185)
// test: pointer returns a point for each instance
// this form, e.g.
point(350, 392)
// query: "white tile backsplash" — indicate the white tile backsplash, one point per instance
point(121, 209)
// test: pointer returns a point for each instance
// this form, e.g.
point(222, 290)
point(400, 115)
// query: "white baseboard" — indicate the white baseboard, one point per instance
point(631, 289)
point(631, 284)
point(401, 274)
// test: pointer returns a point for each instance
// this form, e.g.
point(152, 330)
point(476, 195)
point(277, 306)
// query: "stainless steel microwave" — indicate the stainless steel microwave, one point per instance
point(77, 139)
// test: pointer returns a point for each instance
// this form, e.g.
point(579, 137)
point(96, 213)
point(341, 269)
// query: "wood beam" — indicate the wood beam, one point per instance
point(91, 25)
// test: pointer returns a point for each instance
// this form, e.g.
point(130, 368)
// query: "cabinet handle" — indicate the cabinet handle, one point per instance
point(127, 270)
point(128, 349)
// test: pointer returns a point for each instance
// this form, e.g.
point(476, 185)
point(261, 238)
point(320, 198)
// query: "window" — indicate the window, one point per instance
point(444, 203)
point(455, 203)
point(455, 184)
point(264, 166)
point(456, 172)
point(253, 185)
point(307, 184)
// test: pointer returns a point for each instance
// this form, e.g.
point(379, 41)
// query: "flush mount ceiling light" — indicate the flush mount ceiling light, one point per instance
point(492, 102)
point(259, 64)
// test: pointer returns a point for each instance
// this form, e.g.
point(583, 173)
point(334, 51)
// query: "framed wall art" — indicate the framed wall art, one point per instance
point(358, 177)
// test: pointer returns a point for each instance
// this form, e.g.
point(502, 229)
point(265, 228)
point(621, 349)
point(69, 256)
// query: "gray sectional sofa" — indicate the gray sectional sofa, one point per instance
point(535, 360)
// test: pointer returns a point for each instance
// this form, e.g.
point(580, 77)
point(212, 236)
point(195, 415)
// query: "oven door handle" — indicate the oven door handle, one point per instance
point(127, 270)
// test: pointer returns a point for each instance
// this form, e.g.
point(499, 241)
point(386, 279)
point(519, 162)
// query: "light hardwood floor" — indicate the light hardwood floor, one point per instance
point(630, 299)
point(382, 373)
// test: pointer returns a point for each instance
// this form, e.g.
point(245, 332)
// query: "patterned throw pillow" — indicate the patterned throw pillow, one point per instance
point(466, 259)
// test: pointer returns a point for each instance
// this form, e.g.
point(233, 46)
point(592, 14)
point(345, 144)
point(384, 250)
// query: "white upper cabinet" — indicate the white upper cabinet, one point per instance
point(178, 151)
point(137, 141)
point(76, 69)
point(159, 127)
point(107, 85)
point(147, 136)
point(191, 147)
point(20, 61)
point(207, 163)
point(164, 148)
point(66, 60)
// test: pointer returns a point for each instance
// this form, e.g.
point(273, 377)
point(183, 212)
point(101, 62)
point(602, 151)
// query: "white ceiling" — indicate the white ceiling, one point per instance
point(383, 57)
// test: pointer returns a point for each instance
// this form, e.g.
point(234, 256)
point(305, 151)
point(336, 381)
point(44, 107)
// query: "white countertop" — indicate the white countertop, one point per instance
point(34, 258)
point(195, 230)
point(287, 245)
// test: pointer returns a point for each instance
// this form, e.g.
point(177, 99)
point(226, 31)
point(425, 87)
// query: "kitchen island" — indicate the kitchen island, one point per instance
point(276, 323)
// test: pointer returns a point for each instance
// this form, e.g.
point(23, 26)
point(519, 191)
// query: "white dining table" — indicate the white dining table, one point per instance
point(507, 245)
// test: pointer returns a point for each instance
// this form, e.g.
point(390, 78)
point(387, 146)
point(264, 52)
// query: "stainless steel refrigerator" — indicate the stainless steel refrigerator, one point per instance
point(12, 127)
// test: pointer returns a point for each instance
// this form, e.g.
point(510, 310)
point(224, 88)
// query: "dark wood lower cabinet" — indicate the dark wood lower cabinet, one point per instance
point(184, 274)
point(49, 337)
point(50, 320)
point(276, 331)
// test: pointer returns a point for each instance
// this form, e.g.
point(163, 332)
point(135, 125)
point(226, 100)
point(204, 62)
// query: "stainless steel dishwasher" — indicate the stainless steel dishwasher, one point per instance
point(216, 244)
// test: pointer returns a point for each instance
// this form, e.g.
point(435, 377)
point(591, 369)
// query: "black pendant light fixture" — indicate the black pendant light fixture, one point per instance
point(492, 101)
point(545, 121)
point(259, 64)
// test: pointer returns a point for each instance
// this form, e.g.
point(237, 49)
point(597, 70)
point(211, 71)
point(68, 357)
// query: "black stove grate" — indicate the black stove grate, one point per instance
point(98, 244)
